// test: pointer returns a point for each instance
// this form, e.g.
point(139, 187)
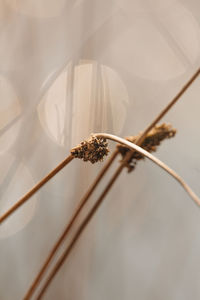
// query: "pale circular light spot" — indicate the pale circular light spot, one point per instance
point(15, 181)
point(10, 114)
point(38, 8)
point(160, 46)
point(85, 98)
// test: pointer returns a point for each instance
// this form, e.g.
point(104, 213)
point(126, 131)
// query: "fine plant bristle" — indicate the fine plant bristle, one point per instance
point(94, 149)
point(150, 143)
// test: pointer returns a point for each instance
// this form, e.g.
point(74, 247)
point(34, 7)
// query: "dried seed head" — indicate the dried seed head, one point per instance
point(94, 149)
point(150, 143)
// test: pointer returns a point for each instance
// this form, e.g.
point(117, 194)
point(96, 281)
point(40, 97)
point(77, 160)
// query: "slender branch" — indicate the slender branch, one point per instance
point(68, 227)
point(174, 100)
point(75, 238)
point(82, 226)
point(162, 165)
point(24, 199)
point(116, 174)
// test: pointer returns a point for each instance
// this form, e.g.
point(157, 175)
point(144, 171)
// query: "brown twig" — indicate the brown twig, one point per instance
point(112, 180)
point(154, 159)
point(100, 200)
point(20, 202)
point(174, 100)
point(94, 149)
point(153, 139)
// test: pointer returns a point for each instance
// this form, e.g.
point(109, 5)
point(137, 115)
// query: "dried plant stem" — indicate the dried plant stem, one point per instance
point(174, 100)
point(162, 165)
point(69, 225)
point(152, 124)
point(149, 127)
point(91, 213)
point(138, 142)
point(111, 182)
point(75, 238)
point(19, 203)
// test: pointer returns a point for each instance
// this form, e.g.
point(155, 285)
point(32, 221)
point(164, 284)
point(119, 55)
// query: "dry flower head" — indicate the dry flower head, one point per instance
point(150, 143)
point(94, 149)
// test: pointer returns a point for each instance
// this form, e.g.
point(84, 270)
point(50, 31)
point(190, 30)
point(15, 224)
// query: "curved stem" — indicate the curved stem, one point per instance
point(154, 159)
point(117, 173)
point(91, 213)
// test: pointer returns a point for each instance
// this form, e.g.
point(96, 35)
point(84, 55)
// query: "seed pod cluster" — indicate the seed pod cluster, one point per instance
point(94, 149)
point(150, 143)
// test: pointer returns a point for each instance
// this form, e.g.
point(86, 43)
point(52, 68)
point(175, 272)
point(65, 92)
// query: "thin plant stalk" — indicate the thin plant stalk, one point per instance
point(115, 176)
point(70, 157)
point(157, 161)
point(91, 213)
point(27, 196)
point(74, 240)
point(68, 227)
point(174, 100)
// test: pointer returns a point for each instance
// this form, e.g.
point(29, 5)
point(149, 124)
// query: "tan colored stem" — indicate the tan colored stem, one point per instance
point(82, 226)
point(174, 100)
point(68, 227)
point(129, 154)
point(162, 165)
point(25, 198)
point(64, 256)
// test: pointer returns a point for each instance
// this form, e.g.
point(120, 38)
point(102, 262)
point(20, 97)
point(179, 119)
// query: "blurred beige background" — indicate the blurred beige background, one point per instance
point(69, 68)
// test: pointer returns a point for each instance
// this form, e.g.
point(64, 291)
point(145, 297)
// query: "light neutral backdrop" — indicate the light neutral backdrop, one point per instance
point(70, 68)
